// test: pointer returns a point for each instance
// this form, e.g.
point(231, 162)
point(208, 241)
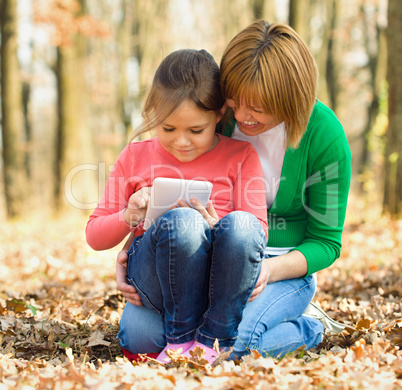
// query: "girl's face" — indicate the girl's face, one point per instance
point(252, 120)
point(188, 132)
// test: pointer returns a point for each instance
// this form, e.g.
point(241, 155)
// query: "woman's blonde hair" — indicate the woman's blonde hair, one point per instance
point(185, 74)
point(271, 64)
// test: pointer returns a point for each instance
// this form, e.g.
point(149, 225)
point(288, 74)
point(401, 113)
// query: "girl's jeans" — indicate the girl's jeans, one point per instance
point(272, 324)
point(194, 281)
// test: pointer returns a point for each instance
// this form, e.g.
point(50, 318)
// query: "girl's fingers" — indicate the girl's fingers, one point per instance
point(200, 208)
point(211, 217)
point(146, 190)
point(183, 203)
point(140, 199)
point(209, 214)
point(196, 204)
point(211, 210)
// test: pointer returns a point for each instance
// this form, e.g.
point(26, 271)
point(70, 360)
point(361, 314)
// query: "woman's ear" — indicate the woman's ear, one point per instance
point(221, 112)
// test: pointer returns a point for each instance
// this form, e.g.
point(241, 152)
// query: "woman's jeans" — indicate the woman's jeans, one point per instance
point(274, 325)
point(195, 280)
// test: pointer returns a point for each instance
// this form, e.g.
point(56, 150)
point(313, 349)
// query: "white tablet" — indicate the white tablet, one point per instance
point(165, 193)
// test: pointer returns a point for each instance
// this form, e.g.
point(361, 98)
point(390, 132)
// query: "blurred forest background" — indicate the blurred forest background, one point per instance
point(74, 74)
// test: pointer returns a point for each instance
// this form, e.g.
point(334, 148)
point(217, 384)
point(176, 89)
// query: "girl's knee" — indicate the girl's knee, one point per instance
point(240, 221)
point(183, 224)
point(183, 219)
point(241, 228)
point(180, 212)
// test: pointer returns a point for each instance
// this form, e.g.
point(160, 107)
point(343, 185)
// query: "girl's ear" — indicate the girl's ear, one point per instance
point(221, 113)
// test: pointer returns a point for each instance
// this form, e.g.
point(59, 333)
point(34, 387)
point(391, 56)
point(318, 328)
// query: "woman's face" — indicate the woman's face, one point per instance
point(251, 119)
point(188, 132)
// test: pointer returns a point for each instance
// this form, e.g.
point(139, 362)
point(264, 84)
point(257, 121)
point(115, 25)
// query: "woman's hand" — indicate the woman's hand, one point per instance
point(208, 213)
point(137, 206)
point(128, 291)
point(262, 280)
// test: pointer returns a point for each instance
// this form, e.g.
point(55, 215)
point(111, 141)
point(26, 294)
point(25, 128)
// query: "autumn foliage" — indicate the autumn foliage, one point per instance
point(66, 18)
point(59, 314)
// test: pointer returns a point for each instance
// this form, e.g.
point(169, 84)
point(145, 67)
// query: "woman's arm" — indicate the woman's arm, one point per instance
point(325, 200)
point(274, 269)
point(288, 266)
point(128, 291)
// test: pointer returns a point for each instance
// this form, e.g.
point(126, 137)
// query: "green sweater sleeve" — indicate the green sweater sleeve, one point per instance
point(325, 199)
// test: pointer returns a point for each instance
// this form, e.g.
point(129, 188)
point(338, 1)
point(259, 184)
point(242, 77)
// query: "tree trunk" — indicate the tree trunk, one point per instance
point(331, 67)
point(264, 9)
point(15, 179)
point(74, 170)
point(151, 25)
point(393, 152)
point(375, 46)
point(324, 9)
point(125, 37)
point(151, 32)
point(299, 17)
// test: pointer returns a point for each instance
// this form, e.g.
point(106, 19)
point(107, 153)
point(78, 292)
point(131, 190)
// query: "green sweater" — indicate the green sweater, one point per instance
point(309, 209)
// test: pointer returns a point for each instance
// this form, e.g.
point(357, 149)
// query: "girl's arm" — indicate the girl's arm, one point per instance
point(107, 227)
point(122, 207)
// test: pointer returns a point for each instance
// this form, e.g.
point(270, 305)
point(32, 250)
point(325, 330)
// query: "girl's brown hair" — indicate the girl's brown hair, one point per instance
point(182, 75)
point(271, 64)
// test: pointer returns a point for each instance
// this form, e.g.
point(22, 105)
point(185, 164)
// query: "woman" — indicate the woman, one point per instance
point(269, 79)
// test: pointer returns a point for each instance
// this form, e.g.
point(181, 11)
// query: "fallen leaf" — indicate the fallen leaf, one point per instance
point(16, 306)
point(97, 338)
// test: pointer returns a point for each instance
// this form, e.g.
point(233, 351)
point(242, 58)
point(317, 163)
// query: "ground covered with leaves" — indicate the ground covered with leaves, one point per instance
point(59, 313)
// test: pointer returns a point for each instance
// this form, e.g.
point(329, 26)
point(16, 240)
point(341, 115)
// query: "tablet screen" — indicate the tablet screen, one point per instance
point(165, 193)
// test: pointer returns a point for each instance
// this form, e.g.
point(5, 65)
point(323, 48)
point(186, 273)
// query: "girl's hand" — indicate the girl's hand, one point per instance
point(262, 280)
point(128, 291)
point(137, 206)
point(208, 213)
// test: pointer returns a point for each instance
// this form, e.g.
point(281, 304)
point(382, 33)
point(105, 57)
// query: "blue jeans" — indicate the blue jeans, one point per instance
point(273, 323)
point(196, 280)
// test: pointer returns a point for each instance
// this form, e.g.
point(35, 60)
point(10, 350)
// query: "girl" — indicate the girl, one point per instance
point(194, 269)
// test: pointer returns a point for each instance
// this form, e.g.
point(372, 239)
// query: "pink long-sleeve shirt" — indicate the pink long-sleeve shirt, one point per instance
point(232, 166)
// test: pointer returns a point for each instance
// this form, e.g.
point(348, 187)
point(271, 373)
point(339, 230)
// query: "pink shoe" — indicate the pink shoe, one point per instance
point(210, 354)
point(180, 348)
